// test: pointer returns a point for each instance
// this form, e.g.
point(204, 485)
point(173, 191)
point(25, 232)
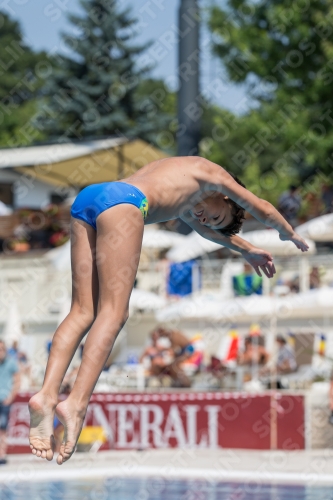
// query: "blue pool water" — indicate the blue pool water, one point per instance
point(159, 489)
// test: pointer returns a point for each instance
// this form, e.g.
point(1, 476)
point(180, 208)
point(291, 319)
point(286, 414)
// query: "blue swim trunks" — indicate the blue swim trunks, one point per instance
point(95, 199)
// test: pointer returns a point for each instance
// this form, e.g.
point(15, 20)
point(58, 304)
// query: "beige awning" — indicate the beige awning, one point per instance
point(117, 161)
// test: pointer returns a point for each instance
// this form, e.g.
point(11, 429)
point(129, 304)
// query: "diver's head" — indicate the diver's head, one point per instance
point(220, 213)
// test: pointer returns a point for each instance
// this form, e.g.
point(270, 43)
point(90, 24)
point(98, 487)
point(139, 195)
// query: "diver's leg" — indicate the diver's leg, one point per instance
point(66, 338)
point(119, 239)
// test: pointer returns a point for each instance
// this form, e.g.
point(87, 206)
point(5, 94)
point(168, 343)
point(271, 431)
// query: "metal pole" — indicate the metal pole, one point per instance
point(265, 286)
point(120, 154)
point(304, 272)
point(189, 107)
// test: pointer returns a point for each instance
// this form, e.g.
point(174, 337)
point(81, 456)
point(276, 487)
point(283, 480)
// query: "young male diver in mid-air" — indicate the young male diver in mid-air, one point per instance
point(106, 235)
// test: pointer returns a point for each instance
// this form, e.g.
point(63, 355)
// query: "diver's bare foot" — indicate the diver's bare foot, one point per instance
point(72, 420)
point(41, 437)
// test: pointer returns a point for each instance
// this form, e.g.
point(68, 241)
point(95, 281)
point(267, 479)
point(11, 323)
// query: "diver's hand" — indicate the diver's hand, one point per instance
point(296, 239)
point(260, 260)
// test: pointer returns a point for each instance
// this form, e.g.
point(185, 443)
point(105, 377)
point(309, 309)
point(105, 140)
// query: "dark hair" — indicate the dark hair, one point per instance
point(281, 339)
point(237, 212)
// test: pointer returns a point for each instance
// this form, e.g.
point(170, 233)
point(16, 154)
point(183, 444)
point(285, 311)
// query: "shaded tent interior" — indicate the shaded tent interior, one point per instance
point(107, 164)
point(70, 166)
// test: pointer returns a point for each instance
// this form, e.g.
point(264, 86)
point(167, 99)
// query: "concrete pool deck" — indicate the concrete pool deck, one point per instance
point(313, 467)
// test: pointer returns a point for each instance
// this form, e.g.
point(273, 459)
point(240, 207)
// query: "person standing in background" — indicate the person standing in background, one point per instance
point(13, 351)
point(247, 283)
point(286, 359)
point(9, 387)
point(327, 198)
point(330, 419)
point(290, 204)
point(254, 353)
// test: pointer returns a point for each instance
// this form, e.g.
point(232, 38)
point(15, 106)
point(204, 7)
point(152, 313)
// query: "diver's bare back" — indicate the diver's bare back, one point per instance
point(173, 185)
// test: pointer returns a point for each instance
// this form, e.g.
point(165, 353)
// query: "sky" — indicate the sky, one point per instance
point(42, 22)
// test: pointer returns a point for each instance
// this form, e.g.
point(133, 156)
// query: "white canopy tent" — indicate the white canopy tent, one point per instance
point(159, 239)
point(54, 153)
point(153, 239)
point(318, 229)
point(145, 301)
point(194, 245)
point(268, 239)
point(212, 307)
point(66, 167)
point(60, 258)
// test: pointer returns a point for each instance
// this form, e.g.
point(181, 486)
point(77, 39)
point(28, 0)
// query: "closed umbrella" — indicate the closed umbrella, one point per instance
point(13, 330)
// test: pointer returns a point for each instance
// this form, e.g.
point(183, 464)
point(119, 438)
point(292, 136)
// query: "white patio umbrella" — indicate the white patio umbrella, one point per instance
point(195, 245)
point(145, 301)
point(214, 307)
point(318, 229)
point(192, 246)
point(268, 239)
point(13, 330)
point(160, 239)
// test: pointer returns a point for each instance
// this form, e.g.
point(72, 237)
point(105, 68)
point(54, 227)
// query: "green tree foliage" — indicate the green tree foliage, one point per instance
point(158, 100)
point(283, 50)
point(94, 91)
point(22, 74)
point(240, 144)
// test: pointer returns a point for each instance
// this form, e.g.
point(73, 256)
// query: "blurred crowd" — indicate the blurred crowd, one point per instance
point(170, 353)
point(249, 283)
point(171, 359)
point(13, 367)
